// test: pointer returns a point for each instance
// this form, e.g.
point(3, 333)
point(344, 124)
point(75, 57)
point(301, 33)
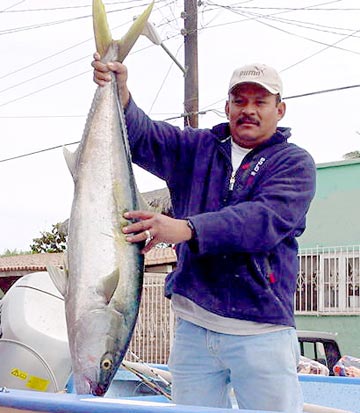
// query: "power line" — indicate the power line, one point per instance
point(43, 74)
point(53, 70)
point(41, 116)
point(318, 92)
point(164, 80)
point(327, 45)
point(40, 25)
point(337, 89)
point(10, 7)
point(70, 19)
point(66, 7)
point(56, 54)
point(308, 8)
point(201, 112)
point(257, 17)
point(72, 77)
point(307, 25)
point(80, 74)
point(44, 88)
point(39, 151)
point(56, 83)
point(41, 60)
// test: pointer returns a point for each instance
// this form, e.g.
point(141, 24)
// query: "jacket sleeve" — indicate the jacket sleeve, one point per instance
point(276, 210)
point(156, 146)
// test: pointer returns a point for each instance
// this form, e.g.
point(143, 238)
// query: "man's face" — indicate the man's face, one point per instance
point(253, 114)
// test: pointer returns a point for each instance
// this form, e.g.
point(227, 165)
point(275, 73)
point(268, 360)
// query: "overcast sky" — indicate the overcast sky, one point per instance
point(46, 85)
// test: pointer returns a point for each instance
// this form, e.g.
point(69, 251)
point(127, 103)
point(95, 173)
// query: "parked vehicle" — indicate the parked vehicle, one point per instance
point(321, 347)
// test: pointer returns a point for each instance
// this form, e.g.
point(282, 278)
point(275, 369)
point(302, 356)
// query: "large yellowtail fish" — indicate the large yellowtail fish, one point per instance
point(102, 282)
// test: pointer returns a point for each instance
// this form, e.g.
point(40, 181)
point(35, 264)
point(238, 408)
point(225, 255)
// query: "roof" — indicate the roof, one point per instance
point(158, 256)
point(30, 262)
point(316, 334)
point(38, 262)
point(160, 200)
point(337, 163)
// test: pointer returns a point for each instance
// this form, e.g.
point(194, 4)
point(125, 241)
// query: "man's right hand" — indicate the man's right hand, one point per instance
point(102, 76)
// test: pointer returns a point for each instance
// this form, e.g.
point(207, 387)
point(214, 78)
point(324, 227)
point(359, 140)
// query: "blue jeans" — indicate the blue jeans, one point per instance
point(260, 368)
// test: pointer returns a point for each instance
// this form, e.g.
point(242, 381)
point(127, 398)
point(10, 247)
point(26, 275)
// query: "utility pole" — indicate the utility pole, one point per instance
point(191, 87)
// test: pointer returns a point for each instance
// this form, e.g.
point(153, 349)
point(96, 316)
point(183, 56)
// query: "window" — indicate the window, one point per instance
point(329, 281)
point(314, 351)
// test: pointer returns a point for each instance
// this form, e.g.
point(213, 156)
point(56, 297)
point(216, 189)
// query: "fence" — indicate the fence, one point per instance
point(154, 328)
point(328, 283)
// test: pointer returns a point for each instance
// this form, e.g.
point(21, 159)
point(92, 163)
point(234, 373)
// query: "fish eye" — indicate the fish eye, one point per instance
point(106, 364)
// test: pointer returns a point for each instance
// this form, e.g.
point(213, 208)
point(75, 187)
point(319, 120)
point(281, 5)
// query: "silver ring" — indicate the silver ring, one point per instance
point(149, 237)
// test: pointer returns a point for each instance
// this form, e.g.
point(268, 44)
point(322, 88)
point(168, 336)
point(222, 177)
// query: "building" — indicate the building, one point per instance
point(327, 296)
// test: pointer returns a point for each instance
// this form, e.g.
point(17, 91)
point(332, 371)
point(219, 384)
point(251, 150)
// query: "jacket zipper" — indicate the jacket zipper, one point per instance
point(232, 180)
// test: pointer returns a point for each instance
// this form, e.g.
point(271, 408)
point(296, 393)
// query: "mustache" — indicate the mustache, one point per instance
point(247, 119)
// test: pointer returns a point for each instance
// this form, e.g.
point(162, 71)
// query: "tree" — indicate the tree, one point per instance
point(54, 241)
point(352, 155)
point(10, 253)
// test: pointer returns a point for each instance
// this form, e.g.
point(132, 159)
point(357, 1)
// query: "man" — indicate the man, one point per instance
point(240, 193)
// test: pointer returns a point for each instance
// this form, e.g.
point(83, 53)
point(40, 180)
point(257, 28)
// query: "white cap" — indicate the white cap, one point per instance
point(260, 74)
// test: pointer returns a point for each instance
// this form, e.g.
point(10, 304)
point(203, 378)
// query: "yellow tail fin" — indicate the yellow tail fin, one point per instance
point(102, 32)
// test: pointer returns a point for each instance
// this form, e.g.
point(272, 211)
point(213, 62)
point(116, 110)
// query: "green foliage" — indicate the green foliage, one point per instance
point(54, 241)
point(10, 253)
point(352, 155)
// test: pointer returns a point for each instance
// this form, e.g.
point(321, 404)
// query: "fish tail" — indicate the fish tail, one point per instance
point(102, 32)
point(129, 39)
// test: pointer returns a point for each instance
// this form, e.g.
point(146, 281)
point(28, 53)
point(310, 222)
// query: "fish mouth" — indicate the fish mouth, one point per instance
point(87, 385)
point(98, 389)
point(94, 387)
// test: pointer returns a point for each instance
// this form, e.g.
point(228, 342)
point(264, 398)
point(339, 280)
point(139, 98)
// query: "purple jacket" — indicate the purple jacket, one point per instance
point(243, 262)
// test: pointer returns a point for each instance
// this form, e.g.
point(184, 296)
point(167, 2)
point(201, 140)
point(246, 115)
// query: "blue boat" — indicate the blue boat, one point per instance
point(129, 394)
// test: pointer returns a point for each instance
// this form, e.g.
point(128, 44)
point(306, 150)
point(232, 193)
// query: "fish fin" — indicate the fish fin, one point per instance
point(59, 277)
point(71, 159)
point(101, 28)
point(128, 40)
point(108, 285)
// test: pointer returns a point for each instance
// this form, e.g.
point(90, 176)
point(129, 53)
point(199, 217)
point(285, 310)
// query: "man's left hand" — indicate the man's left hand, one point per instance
point(154, 228)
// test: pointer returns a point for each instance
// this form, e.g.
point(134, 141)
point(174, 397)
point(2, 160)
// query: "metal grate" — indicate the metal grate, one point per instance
point(153, 331)
point(328, 281)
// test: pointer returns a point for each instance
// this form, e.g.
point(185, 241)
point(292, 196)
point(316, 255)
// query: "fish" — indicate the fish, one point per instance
point(103, 275)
